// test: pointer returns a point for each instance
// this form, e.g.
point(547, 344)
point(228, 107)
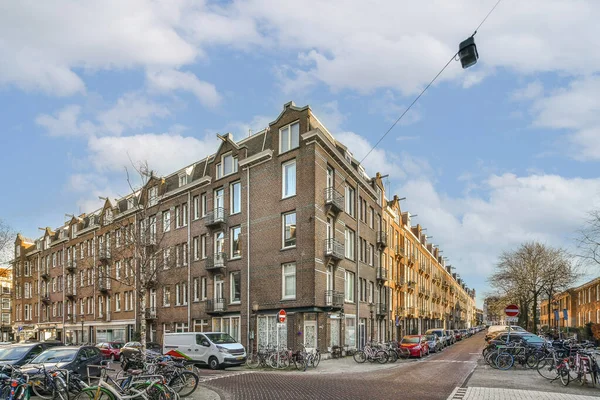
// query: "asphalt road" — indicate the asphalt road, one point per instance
point(433, 377)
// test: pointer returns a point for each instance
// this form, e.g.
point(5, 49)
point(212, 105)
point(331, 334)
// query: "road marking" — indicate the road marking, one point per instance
point(457, 394)
point(453, 361)
point(207, 378)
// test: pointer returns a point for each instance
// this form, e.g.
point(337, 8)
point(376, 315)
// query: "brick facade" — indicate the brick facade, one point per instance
point(582, 304)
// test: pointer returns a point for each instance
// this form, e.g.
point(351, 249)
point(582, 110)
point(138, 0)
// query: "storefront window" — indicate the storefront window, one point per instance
point(350, 331)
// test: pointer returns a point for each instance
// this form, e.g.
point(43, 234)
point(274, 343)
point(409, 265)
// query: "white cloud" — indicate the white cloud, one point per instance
point(172, 80)
point(63, 123)
point(533, 90)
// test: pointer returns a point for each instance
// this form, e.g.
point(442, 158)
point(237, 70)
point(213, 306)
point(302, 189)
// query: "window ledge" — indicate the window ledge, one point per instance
point(235, 258)
point(287, 248)
point(288, 197)
point(235, 303)
point(288, 299)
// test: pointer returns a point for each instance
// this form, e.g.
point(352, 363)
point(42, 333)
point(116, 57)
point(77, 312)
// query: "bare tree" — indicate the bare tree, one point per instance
point(7, 236)
point(528, 273)
point(588, 241)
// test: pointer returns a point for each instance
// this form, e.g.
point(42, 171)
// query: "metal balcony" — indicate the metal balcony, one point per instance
point(71, 292)
point(399, 252)
point(382, 239)
point(216, 262)
point(104, 254)
point(103, 284)
point(71, 266)
point(334, 200)
point(381, 309)
point(151, 313)
point(410, 311)
point(216, 217)
point(334, 249)
point(411, 285)
point(382, 274)
point(148, 241)
point(334, 299)
point(399, 283)
point(216, 306)
point(45, 275)
point(45, 299)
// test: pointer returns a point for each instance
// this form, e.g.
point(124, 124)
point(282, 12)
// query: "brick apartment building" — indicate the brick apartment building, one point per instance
point(283, 219)
point(6, 282)
point(582, 305)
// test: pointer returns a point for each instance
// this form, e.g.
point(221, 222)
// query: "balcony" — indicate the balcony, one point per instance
point(334, 299)
point(399, 282)
point(45, 275)
point(151, 313)
point(216, 217)
point(382, 239)
point(411, 285)
point(412, 259)
point(382, 274)
point(72, 318)
point(427, 272)
point(426, 293)
point(423, 313)
point(216, 306)
point(381, 309)
point(45, 299)
point(71, 266)
point(334, 200)
point(334, 249)
point(399, 252)
point(421, 269)
point(104, 255)
point(148, 241)
point(71, 292)
point(216, 262)
point(410, 311)
point(104, 284)
point(400, 311)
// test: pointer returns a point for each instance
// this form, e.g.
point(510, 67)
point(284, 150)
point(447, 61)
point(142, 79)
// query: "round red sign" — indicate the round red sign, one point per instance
point(281, 316)
point(512, 310)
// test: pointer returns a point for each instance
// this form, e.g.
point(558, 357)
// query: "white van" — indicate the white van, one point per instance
point(215, 349)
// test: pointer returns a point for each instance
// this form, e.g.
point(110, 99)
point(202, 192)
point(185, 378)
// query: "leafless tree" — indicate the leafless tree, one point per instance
point(7, 237)
point(588, 241)
point(528, 273)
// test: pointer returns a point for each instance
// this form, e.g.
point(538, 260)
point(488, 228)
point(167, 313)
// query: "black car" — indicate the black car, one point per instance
point(19, 354)
point(529, 338)
point(73, 358)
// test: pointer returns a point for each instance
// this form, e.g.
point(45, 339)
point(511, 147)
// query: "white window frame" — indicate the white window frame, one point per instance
point(196, 289)
point(349, 280)
point(232, 287)
point(284, 275)
point(288, 131)
point(283, 230)
point(231, 241)
point(285, 190)
point(203, 288)
point(350, 237)
point(232, 197)
point(166, 220)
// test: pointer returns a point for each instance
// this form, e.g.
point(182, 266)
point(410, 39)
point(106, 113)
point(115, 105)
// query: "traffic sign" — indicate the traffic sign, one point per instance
point(511, 310)
point(281, 316)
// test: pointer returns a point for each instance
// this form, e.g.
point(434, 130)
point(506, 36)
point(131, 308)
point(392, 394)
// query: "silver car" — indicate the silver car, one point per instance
point(435, 343)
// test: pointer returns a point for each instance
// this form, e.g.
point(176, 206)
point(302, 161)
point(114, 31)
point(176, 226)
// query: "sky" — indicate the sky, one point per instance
point(504, 152)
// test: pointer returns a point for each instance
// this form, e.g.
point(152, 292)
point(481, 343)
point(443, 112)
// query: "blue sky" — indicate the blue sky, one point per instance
point(503, 152)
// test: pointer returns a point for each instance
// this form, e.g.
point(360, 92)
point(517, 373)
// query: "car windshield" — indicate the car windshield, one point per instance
point(414, 339)
point(220, 338)
point(533, 339)
point(430, 337)
point(133, 344)
point(436, 333)
point(13, 353)
point(54, 356)
point(116, 345)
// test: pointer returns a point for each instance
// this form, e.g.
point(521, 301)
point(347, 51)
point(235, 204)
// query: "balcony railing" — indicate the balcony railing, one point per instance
point(399, 251)
point(151, 313)
point(104, 254)
point(218, 216)
point(148, 240)
point(216, 261)
point(71, 266)
point(382, 274)
point(45, 275)
point(104, 284)
point(399, 283)
point(381, 309)
point(410, 311)
point(411, 285)
point(382, 239)
point(216, 306)
point(71, 291)
point(334, 199)
point(334, 298)
point(334, 249)
point(45, 299)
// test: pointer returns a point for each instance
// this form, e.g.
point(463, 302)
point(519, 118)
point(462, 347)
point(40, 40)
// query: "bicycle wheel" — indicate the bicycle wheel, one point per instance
point(393, 356)
point(381, 357)
point(504, 361)
point(490, 359)
point(253, 361)
point(563, 373)
point(184, 383)
point(360, 356)
point(299, 362)
point(531, 360)
point(42, 390)
point(546, 367)
point(316, 360)
point(60, 389)
point(91, 392)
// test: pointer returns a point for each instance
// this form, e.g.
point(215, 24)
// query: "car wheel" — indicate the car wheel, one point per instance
point(112, 358)
point(420, 353)
point(213, 363)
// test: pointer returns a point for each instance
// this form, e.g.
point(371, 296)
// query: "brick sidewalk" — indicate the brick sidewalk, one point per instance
point(481, 393)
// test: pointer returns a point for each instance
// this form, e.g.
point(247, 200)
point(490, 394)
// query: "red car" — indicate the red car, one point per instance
point(110, 350)
point(416, 344)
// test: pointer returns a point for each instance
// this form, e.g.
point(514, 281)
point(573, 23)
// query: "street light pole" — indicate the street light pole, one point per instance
point(82, 320)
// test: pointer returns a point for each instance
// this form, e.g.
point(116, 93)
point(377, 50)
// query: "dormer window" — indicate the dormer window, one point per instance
point(108, 216)
point(130, 203)
point(47, 242)
point(227, 166)
point(289, 137)
point(153, 196)
point(18, 250)
point(348, 156)
point(73, 231)
point(183, 179)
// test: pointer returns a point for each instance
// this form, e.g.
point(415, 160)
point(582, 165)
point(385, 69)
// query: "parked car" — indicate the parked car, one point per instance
point(417, 345)
point(494, 329)
point(457, 334)
point(530, 338)
point(440, 334)
point(434, 343)
point(215, 349)
point(130, 348)
point(465, 333)
point(450, 337)
point(111, 350)
point(20, 354)
point(75, 359)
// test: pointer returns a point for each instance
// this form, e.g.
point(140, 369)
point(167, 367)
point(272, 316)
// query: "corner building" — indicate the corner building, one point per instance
point(283, 219)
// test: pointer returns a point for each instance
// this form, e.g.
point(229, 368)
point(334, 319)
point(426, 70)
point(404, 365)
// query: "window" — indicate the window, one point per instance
point(117, 239)
point(236, 245)
point(203, 288)
point(166, 257)
point(183, 179)
point(203, 246)
point(177, 295)
point(181, 327)
point(196, 207)
point(177, 217)
point(196, 247)
point(235, 282)
point(371, 294)
point(371, 254)
point(203, 204)
point(153, 196)
point(289, 137)
point(349, 245)
point(235, 191)
point(196, 289)
point(167, 296)
point(350, 201)
point(289, 281)
point(184, 255)
point(288, 186)
point(166, 221)
point(227, 166)
point(371, 217)
point(349, 287)
point(289, 230)
point(118, 302)
point(184, 214)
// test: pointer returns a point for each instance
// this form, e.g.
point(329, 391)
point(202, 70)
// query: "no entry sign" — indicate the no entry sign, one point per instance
point(281, 316)
point(511, 310)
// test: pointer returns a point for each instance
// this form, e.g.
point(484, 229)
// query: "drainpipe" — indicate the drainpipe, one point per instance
point(189, 262)
point(357, 277)
point(248, 259)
